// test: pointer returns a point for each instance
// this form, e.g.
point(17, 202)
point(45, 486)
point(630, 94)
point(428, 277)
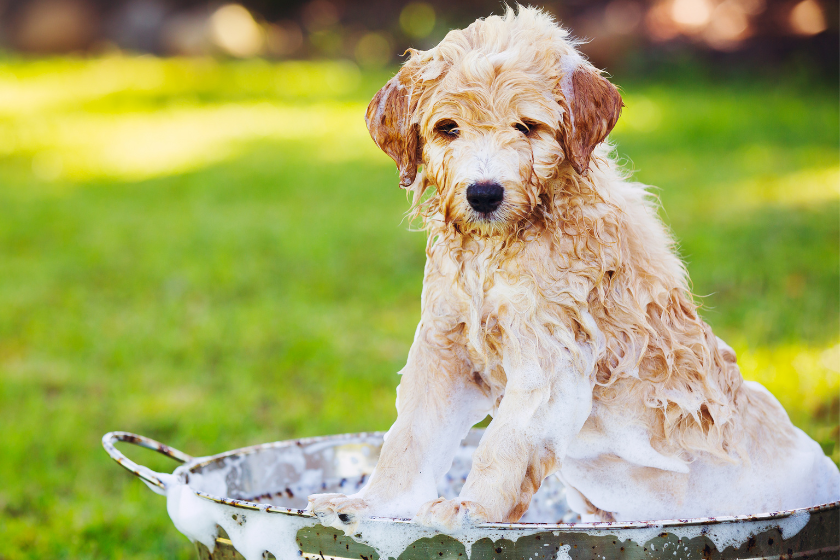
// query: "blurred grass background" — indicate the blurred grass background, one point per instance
point(212, 254)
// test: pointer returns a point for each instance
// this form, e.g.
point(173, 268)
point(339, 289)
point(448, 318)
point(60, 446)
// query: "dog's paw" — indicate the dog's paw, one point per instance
point(450, 515)
point(339, 511)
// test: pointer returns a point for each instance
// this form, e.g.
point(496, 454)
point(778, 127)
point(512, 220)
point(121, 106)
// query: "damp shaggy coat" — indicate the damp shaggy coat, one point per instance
point(553, 300)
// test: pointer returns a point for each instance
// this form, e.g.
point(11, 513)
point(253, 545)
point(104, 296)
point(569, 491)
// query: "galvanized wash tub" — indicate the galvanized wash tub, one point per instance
point(249, 503)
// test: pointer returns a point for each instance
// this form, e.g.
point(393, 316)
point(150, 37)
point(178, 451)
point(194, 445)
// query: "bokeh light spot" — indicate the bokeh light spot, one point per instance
point(660, 22)
point(417, 19)
point(622, 16)
point(53, 25)
point(235, 31)
point(729, 26)
point(373, 50)
point(691, 13)
point(807, 18)
point(284, 38)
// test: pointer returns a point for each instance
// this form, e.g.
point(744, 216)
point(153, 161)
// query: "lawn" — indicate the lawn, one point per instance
point(214, 255)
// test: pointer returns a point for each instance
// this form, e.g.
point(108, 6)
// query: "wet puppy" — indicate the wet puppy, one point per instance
point(554, 301)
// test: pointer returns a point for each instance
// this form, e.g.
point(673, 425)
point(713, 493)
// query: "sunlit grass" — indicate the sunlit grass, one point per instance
point(59, 84)
point(143, 145)
point(213, 254)
point(138, 118)
point(811, 186)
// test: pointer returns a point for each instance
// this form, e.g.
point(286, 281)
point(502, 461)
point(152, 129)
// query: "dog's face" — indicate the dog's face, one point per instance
point(493, 113)
point(491, 147)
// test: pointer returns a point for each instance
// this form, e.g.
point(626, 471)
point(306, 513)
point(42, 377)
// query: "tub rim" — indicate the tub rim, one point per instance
point(191, 463)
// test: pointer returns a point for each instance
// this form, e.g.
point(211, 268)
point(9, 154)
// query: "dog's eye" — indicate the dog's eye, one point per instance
point(448, 129)
point(526, 128)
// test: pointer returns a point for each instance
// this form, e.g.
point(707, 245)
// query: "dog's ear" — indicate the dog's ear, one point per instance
point(594, 105)
point(388, 119)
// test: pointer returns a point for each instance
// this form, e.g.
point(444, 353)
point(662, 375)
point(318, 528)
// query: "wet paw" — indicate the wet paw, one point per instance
point(450, 515)
point(339, 511)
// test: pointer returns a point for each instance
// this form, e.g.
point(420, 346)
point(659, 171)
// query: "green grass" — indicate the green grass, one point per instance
point(213, 255)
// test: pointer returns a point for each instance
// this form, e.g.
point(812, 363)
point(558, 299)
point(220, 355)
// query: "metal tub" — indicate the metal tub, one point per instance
point(266, 487)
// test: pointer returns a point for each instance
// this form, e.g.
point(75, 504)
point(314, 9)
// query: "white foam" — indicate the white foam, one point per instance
point(191, 515)
point(639, 535)
point(563, 552)
point(251, 532)
point(390, 539)
point(793, 524)
point(387, 540)
point(263, 531)
point(254, 531)
point(631, 489)
point(723, 535)
point(735, 534)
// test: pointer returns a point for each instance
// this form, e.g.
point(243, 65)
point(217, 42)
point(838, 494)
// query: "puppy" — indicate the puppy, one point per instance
point(553, 300)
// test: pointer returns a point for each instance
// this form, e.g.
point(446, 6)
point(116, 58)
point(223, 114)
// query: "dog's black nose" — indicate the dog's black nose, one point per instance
point(485, 196)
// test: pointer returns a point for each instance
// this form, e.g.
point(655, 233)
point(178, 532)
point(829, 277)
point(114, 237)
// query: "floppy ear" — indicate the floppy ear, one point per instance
point(388, 119)
point(594, 106)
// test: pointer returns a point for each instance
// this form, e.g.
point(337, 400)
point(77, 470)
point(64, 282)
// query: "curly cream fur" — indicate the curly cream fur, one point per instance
point(605, 227)
point(566, 313)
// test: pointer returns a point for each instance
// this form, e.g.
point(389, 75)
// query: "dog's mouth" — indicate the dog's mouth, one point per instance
point(484, 209)
point(484, 224)
point(485, 217)
point(503, 221)
point(497, 216)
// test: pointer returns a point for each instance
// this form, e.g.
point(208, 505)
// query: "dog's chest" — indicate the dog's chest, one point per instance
point(487, 285)
point(484, 303)
point(486, 300)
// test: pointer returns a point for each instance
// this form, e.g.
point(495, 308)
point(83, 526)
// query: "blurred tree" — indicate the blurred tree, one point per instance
point(740, 33)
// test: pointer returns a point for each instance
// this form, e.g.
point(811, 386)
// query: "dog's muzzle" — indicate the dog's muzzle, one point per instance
point(485, 196)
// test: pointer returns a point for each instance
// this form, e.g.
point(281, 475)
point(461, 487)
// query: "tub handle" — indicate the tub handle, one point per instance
point(154, 480)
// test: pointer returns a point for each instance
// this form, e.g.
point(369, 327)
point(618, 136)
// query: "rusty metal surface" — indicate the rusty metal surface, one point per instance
point(345, 461)
point(817, 540)
point(140, 471)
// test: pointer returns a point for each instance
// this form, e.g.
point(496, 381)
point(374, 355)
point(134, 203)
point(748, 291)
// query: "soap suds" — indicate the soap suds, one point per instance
point(280, 477)
point(251, 532)
point(563, 552)
point(192, 516)
point(724, 533)
point(734, 534)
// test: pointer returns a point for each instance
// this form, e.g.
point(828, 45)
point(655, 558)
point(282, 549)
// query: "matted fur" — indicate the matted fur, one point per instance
point(565, 313)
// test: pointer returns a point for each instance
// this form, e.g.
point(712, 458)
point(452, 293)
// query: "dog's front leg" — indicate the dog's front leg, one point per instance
point(544, 407)
point(438, 401)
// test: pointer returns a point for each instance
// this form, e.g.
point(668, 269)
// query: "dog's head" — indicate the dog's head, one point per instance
point(494, 113)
